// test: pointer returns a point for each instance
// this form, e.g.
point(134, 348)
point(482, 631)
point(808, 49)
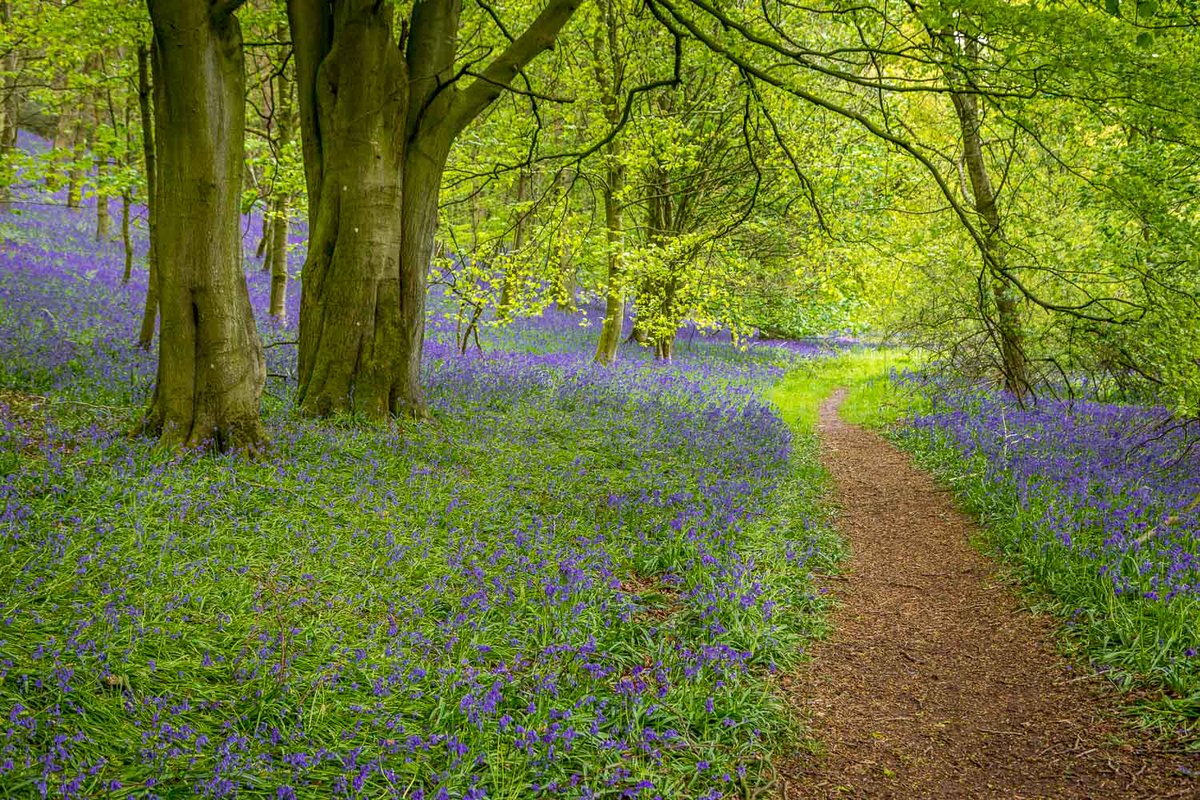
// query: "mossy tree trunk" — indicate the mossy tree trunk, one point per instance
point(609, 69)
point(9, 99)
point(614, 302)
point(210, 362)
point(1006, 330)
point(377, 122)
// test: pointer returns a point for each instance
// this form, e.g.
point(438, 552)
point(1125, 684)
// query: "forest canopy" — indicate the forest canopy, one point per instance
point(1010, 186)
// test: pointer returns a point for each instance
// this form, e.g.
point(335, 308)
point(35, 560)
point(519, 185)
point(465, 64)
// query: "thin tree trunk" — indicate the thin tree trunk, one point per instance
point(278, 257)
point(9, 101)
point(81, 138)
point(524, 179)
point(264, 239)
point(150, 308)
point(564, 300)
point(614, 305)
point(609, 76)
point(1007, 329)
point(126, 239)
point(659, 292)
point(284, 124)
point(211, 368)
point(103, 213)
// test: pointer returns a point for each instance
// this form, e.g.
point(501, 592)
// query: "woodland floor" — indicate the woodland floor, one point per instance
point(937, 683)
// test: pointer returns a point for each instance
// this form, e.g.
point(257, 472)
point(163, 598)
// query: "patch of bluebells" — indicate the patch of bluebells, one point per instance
point(1097, 502)
point(573, 583)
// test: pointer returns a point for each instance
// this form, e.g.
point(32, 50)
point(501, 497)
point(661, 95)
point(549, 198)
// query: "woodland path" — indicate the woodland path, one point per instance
point(935, 682)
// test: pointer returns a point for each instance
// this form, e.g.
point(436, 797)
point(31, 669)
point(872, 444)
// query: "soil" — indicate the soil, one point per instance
point(936, 681)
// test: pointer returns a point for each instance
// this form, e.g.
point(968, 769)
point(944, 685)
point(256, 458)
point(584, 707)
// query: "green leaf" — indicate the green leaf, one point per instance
point(1146, 8)
point(1113, 7)
point(1145, 39)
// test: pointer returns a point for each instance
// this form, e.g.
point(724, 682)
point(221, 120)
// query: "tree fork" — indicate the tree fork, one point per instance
point(383, 121)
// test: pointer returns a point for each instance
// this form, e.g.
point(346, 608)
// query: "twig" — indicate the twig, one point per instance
point(86, 405)
point(1171, 520)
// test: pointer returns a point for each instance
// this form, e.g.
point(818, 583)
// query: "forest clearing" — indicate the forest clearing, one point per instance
point(599, 399)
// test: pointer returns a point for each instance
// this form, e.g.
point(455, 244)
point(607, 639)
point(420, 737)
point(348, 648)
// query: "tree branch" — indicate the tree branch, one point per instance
point(499, 74)
point(224, 8)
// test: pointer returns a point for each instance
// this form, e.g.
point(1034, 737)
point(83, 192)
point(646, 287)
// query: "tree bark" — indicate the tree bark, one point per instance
point(658, 293)
point(376, 127)
point(211, 368)
point(1007, 328)
point(609, 70)
point(80, 136)
point(277, 256)
point(509, 284)
point(564, 299)
point(103, 212)
point(263, 240)
point(614, 303)
point(150, 308)
point(9, 100)
point(126, 239)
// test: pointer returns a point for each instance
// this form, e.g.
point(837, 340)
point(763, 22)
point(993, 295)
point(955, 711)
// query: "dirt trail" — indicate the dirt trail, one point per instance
point(936, 683)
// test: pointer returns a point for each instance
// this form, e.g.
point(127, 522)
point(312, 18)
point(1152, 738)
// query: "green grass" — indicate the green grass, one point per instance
point(872, 399)
point(356, 588)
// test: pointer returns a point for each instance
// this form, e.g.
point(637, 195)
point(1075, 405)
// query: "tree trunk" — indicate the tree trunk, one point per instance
point(658, 293)
point(1007, 328)
point(277, 258)
point(9, 100)
point(265, 239)
point(564, 298)
point(81, 138)
point(353, 96)
point(614, 305)
point(376, 128)
point(103, 213)
point(150, 308)
point(564, 301)
point(509, 284)
point(211, 368)
point(63, 131)
point(609, 69)
point(126, 239)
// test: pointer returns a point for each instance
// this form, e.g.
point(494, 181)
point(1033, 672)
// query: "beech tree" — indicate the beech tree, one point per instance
point(211, 368)
point(378, 115)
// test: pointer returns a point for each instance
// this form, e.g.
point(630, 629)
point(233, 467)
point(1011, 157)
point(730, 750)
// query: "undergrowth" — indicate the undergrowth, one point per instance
point(575, 581)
